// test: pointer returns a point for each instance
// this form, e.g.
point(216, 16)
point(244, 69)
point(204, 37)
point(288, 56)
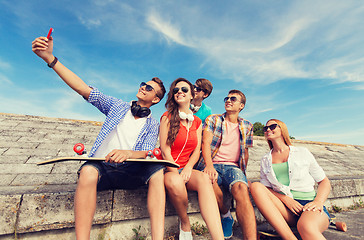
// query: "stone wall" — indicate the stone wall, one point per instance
point(36, 202)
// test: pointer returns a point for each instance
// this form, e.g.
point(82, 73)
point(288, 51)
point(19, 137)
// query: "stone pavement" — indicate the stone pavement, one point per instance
point(40, 198)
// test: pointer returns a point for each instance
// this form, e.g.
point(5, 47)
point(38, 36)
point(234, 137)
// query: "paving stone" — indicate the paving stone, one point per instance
point(44, 179)
point(9, 205)
point(6, 179)
point(24, 169)
point(70, 167)
point(31, 152)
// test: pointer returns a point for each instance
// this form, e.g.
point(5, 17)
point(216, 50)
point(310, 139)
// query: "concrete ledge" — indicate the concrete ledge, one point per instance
point(29, 213)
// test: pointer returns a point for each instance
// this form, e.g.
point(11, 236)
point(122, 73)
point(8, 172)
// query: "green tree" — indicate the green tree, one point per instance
point(258, 129)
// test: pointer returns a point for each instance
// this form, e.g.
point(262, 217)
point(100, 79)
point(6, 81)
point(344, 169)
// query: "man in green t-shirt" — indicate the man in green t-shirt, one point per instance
point(203, 89)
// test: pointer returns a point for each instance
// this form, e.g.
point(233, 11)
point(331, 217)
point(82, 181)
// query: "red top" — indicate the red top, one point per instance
point(179, 142)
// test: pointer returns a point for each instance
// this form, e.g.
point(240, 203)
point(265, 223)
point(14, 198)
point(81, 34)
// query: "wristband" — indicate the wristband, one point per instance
point(51, 65)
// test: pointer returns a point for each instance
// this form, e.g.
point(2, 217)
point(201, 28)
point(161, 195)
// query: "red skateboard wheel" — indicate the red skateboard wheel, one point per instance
point(157, 153)
point(79, 148)
point(150, 154)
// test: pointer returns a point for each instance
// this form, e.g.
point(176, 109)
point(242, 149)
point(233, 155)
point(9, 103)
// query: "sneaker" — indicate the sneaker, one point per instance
point(184, 235)
point(227, 227)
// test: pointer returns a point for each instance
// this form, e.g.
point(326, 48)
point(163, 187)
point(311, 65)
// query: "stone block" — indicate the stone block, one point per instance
point(56, 211)
point(24, 168)
point(359, 184)
point(9, 205)
point(13, 159)
point(130, 204)
point(44, 179)
point(343, 188)
point(6, 179)
point(68, 167)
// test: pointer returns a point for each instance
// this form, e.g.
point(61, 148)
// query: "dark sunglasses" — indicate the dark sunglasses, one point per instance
point(176, 90)
point(232, 99)
point(148, 88)
point(198, 89)
point(271, 127)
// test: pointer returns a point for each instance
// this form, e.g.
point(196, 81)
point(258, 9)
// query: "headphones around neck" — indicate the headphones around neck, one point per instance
point(139, 111)
point(188, 116)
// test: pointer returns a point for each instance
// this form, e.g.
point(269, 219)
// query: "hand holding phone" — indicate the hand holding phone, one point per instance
point(50, 33)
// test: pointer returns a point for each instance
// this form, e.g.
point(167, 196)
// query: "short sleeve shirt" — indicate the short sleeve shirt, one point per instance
point(185, 142)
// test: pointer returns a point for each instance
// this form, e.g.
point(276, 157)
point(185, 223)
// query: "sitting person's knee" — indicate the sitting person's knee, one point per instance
point(156, 177)
point(88, 175)
point(255, 187)
point(173, 181)
point(239, 188)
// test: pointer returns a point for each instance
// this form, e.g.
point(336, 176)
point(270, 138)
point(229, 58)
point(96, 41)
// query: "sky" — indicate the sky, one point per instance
point(297, 61)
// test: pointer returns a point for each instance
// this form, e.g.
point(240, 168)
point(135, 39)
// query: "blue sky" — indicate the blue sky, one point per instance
point(297, 61)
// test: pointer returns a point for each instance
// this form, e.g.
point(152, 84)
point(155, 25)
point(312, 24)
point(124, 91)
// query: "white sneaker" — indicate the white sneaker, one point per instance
point(184, 235)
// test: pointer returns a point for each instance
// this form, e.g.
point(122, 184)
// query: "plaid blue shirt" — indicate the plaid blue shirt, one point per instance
point(215, 124)
point(115, 110)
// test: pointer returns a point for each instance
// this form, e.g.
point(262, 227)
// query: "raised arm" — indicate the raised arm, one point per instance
point(44, 49)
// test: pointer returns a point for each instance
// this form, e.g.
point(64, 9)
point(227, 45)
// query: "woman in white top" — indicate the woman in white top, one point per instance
point(285, 194)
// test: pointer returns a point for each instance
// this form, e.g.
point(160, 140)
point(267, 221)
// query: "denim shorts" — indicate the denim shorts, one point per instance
point(125, 175)
point(229, 175)
point(304, 202)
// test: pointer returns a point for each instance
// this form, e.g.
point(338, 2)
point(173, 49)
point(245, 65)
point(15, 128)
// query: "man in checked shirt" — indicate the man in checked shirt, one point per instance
point(225, 142)
point(129, 131)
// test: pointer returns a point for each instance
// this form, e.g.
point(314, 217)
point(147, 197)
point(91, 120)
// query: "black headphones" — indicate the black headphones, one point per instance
point(139, 111)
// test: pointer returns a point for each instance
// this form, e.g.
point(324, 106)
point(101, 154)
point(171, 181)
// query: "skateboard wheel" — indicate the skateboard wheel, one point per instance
point(341, 226)
point(79, 148)
point(157, 153)
point(150, 154)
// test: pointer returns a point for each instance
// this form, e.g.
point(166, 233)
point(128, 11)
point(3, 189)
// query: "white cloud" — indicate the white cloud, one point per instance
point(170, 32)
point(4, 80)
point(89, 23)
point(4, 65)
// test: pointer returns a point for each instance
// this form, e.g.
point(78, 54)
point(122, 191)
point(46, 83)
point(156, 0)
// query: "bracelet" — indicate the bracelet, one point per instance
point(51, 65)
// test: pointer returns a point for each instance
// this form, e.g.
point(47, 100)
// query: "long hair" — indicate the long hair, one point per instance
point(172, 108)
point(284, 130)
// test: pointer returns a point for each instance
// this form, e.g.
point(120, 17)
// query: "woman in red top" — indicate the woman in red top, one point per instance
point(180, 140)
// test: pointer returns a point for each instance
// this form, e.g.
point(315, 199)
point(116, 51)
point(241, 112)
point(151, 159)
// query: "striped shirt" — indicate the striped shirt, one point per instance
point(216, 124)
point(115, 110)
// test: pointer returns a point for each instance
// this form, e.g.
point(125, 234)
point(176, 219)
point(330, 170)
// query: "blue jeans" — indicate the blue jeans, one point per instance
point(304, 202)
point(125, 175)
point(229, 175)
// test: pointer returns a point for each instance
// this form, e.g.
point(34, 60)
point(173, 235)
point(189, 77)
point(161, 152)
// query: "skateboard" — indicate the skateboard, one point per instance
point(269, 234)
point(153, 156)
point(341, 226)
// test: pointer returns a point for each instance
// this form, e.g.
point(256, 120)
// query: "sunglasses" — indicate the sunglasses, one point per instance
point(148, 88)
point(198, 89)
point(271, 127)
point(176, 90)
point(232, 99)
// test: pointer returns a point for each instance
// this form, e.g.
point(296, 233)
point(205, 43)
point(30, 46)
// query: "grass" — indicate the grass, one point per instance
point(355, 206)
point(138, 236)
point(199, 229)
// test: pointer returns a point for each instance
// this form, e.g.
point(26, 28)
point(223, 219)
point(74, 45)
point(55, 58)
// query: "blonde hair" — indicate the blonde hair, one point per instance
point(284, 130)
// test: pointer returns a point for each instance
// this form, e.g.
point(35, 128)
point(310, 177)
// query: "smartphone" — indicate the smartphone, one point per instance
point(50, 33)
